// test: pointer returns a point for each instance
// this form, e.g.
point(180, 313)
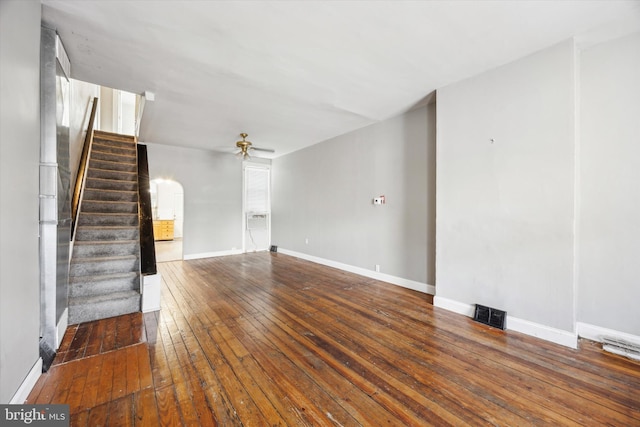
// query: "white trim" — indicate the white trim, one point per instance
point(455, 306)
point(62, 327)
point(212, 254)
point(595, 333)
point(575, 288)
point(547, 333)
point(394, 280)
point(151, 286)
point(27, 385)
point(554, 335)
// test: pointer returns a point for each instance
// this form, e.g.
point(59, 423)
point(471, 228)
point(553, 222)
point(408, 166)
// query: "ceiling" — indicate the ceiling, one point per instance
point(295, 73)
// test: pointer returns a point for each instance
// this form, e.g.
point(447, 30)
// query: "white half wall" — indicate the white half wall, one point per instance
point(322, 200)
point(505, 189)
point(609, 232)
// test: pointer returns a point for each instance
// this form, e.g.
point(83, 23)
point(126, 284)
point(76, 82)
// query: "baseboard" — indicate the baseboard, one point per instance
point(547, 333)
point(455, 306)
point(554, 335)
point(61, 328)
point(27, 385)
point(394, 280)
point(212, 254)
point(595, 333)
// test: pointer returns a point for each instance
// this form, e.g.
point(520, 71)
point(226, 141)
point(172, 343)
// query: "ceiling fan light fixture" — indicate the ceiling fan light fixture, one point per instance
point(243, 155)
point(245, 146)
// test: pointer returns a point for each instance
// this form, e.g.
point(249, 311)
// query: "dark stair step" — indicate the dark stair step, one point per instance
point(109, 206)
point(88, 232)
point(89, 248)
point(113, 195)
point(111, 184)
point(107, 148)
point(111, 174)
point(113, 165)
point(103, 265)
point(83, 286)
point(89, 308)
point(108, 219)
point(96, 154)
point(111, 136)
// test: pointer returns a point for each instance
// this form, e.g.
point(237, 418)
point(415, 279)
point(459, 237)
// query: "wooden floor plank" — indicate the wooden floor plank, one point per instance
point(168, 408)
point(94, 344)
point(105, 384)
point(146, 409)
point(267, 339)
point(92, 386)
point(144, 367)
point(76, 391)
point(80, 419)
point(133, 370)
point(121, 411)
point(119, 386)
point(98, 415)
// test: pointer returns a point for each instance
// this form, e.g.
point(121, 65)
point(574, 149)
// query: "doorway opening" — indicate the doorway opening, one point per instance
point(256, 218)
point(167, 208)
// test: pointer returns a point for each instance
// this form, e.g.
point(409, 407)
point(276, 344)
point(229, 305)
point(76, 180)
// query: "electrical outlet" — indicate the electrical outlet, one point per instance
point(377, 268)
point(380, 200)
point(306, 241)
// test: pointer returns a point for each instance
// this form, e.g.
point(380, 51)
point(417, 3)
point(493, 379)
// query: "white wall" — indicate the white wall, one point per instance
point(212, 184)
point(609, 216)
point(19, 154)
point(324, 194)
point(82, 94)
point(505, 210)
point(107, 118)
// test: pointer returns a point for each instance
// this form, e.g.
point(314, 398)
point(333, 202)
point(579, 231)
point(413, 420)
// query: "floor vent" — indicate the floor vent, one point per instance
point(490, 316)
point(621, 347)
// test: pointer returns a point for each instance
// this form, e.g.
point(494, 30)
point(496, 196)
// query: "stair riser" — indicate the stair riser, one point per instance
point(113, 165)
point(96, 154)
point(107, 184)
point(106, 234)
point(102, 267)
point(105, 249)
point(85, 289)
point(90, 312)
point(109, 174)
point(128, 145)
point(91, 206)
point(114, 150)
point(110, 195)
point(122, 220)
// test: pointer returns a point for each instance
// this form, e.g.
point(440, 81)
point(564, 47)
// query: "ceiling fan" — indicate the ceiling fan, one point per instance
point(245, 146)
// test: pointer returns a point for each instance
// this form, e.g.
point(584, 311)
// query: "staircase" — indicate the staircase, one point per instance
point(104, 275)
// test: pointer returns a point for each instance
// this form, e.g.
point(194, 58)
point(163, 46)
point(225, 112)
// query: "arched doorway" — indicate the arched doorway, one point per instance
point(167, 204)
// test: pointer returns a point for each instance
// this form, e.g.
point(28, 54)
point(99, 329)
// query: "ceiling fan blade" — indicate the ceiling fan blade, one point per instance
point(268, 150)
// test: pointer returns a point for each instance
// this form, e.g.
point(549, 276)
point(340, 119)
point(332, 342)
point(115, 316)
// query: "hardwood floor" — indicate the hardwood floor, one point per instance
point(266, 339)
